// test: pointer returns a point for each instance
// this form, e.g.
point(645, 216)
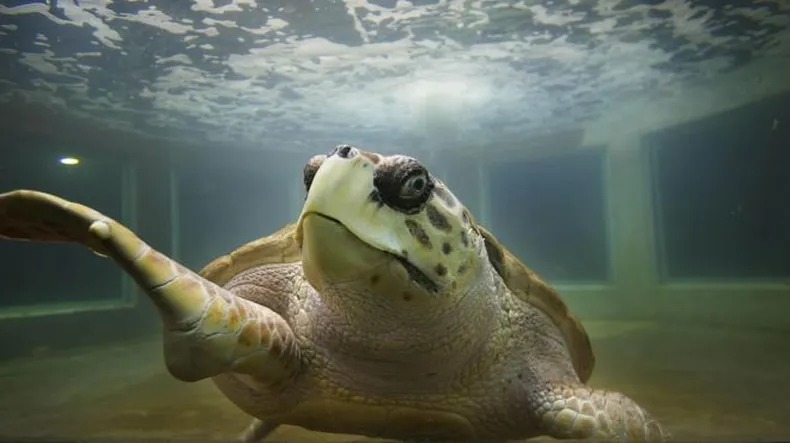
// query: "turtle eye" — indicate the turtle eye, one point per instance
point(414, 187)
point(310, 169)
point(403, 184)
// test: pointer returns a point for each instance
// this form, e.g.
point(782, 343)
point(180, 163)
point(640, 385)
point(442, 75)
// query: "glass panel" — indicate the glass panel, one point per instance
point(722, 188)
point(222, 207)
point(42, 274)
point(461, 177)
point(551, 213)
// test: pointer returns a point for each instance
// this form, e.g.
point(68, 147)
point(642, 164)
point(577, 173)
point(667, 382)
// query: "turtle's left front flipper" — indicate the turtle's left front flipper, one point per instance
point(208, 330)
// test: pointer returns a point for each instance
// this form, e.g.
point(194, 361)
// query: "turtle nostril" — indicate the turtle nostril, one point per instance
point(345, 151)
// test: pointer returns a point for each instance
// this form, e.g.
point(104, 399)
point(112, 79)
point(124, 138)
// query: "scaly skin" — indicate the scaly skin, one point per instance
point(208, 330)
point(568, 411)
point(494, 372)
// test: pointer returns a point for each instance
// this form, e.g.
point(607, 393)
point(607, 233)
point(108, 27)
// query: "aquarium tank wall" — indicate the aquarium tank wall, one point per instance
point(634, 154)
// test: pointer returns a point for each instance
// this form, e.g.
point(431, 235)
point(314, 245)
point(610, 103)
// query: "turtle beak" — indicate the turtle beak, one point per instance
point(338, 195)
point(340, 191)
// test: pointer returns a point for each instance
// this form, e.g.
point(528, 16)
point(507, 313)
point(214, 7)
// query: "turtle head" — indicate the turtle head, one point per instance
point(370, 218)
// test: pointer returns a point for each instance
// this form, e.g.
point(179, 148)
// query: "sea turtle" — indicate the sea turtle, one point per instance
point(385, 310)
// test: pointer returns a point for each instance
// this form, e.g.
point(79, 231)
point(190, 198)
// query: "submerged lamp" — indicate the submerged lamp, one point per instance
point(69, 161)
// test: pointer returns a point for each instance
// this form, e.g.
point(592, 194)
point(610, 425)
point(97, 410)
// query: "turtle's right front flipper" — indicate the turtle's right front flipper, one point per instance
point(208, 330)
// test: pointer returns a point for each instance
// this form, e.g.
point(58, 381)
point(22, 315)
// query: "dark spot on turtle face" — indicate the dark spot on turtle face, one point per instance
point(441, 270)
point(462, 269)
point(464, 239)
point(418, 233)
point(441, 192)
point(437, 219)
point(404, 253)
point(374, 279)
point(465, 217)
point(407, 296)
point(446, 248)
point(454, 285)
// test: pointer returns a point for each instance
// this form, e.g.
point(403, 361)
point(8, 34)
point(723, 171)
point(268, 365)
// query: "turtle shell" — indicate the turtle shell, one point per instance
point(281, 247)
point(528, 286)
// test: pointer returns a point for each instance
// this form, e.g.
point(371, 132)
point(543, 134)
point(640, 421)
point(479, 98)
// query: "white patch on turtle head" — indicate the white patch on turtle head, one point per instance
point(394, 205)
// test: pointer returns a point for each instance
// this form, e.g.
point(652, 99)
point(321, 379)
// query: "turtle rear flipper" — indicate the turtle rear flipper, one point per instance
point(208, 330)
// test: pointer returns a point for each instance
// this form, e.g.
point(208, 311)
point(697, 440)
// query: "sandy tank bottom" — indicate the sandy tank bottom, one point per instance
point(703, 384)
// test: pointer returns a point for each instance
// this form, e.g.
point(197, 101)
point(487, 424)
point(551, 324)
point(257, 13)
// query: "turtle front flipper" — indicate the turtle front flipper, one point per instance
point(207, 329)
point(579, 412)
point(37, 216)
